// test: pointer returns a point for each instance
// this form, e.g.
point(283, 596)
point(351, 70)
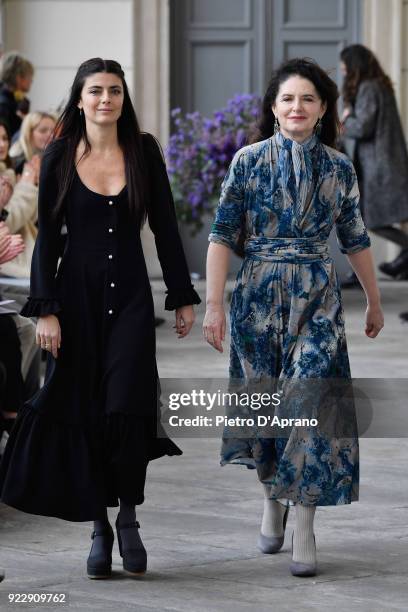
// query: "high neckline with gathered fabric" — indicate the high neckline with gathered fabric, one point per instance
point(289, 143)
point(296, 166)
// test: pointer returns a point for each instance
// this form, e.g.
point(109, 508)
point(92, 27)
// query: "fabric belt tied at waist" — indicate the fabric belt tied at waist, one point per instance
point(287, 250)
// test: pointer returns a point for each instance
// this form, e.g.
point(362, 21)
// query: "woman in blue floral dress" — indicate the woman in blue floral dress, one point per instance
point(281, 197)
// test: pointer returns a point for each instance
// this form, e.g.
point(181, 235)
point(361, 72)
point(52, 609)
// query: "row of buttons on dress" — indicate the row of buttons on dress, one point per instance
point(110, 257)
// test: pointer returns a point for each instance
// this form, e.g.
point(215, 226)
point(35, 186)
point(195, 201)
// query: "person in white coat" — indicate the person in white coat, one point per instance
point(18, 205)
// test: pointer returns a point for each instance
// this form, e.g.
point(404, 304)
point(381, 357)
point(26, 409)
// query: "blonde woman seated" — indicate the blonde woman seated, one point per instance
point(35, 134)
point(19, 199)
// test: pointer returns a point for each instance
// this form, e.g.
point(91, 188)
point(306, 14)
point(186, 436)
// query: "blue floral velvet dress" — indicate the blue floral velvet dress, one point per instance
point(287, 319)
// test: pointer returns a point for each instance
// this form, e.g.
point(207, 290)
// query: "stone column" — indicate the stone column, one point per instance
point(152, 65)
point(385, 29)
point(383, 34)
point(151, 87)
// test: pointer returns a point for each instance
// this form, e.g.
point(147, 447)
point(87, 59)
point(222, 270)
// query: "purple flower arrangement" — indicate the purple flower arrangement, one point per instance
point(200, 151)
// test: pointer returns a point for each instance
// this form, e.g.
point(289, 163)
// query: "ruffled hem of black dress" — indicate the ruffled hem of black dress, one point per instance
point(35, 307)
point(72, 472)
point(181, 297)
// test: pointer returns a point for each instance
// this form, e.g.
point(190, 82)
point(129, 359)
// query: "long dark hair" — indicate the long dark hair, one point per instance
point(3, 123)
point(361, 65)
point(71, 128)
point(306, 68)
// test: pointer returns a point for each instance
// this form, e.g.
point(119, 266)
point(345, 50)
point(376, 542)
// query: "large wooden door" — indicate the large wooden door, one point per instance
point(223, 47)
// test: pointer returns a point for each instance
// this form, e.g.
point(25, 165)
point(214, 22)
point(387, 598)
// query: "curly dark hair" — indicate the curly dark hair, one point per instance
point(361, 65)
point(306, 68)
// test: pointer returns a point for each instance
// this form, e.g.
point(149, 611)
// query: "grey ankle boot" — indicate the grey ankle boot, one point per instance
point(272, 544)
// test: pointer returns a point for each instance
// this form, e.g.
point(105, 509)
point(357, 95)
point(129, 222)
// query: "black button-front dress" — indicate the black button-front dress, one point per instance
point(85, 439)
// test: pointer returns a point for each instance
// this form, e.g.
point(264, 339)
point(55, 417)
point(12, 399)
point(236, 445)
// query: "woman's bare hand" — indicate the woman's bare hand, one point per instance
point(214, 326)
point(5, 240)
point(185, 318)
point(48, 334)
point(11, 245)
point(374, 321)
point(36, 165)
point(31, 172)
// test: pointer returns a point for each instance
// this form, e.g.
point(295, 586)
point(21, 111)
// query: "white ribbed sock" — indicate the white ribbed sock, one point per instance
point(272, 519)
point(304, 550)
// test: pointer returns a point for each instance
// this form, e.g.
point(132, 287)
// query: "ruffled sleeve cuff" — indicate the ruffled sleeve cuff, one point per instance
point(181, 297)
point(35, 307)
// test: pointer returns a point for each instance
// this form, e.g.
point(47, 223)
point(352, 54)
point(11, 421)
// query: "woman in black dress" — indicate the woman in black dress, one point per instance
point(83, 443)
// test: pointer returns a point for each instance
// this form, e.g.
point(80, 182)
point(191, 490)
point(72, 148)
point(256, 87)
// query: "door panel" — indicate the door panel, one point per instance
point(316, 28)
point(218, 50)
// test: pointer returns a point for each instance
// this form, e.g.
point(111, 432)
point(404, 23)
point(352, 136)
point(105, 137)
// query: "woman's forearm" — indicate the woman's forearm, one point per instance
point(218, 258)
point(363, 265)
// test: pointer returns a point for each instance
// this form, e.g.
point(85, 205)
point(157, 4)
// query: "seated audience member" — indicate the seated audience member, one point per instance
point(18, 205)
point(12, 389)
point(19, 354)
point(36, 132)
point(16, 76)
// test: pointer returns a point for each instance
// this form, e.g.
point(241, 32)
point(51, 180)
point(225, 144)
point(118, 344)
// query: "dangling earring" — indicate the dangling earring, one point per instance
point(276, 127)
point(80, 112)
point(318, 127)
